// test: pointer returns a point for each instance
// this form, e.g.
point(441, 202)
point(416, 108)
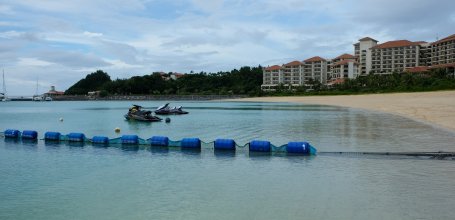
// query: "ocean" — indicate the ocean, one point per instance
point(71, 181)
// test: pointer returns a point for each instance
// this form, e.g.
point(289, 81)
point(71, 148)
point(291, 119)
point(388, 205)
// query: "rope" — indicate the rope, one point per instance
point(431, 155)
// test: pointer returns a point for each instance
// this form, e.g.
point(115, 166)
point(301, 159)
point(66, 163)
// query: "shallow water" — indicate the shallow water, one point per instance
point(40, 181)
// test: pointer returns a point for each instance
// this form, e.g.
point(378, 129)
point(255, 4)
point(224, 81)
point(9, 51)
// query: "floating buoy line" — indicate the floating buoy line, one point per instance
point(229, 145)
point(298, 148)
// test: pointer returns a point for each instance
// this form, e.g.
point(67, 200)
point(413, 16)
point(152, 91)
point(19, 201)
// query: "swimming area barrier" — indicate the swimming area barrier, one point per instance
point(299, 148)
point(225, 145)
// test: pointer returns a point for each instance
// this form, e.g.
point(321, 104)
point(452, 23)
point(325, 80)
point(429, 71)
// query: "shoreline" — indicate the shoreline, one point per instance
point(134, 97)
point(434, 108)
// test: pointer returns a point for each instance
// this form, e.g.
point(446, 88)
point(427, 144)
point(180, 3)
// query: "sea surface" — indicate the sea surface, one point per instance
point(70, 181)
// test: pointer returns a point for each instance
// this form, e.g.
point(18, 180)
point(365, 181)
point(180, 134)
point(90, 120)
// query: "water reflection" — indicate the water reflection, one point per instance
point(30, 142)
point(138, 126)
point(259, 155)
point(100, 145)
point(11, 140)
point(160, 150)
point(130, 147)
point(75, 144)
point(194, 152)
point(224, 153)
point(294, 158)
point(51, 143)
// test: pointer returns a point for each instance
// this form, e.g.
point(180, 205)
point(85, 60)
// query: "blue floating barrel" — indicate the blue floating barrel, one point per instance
point(298, 148)
point(11, 133)
point(100, 140)
point(224, 144)
point(260, 146)
point(129, 139)
point(194, 143)
point(52, 136)
point(28, 134)
point(159, 141)
point(76, 137)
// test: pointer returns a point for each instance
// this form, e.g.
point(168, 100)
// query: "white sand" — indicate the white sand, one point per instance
point(437, 108)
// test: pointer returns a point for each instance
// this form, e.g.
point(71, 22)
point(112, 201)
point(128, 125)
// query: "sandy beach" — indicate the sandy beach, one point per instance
point(436, 108)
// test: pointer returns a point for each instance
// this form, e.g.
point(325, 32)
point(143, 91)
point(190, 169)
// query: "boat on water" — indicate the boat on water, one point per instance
point(37, 98)
point(136, 113)
point(48, 99)
point(167, 110)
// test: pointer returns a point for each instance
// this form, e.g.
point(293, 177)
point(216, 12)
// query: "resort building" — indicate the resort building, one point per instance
point(443, 52)
point(271, 78)
point(53, 93)
point(425, 54)
point(369, 57)
point(363, 53)
point(293, 74)
point(396, 56)
point(344, 66)
point(315, 68)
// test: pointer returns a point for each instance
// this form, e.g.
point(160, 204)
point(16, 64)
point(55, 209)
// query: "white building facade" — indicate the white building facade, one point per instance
point(369, 57)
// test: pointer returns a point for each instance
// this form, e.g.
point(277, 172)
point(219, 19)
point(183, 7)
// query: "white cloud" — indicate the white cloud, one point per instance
point(118, 64)
point(33, 62)
point(91, 34)
point(11, 34)
point(62, 41)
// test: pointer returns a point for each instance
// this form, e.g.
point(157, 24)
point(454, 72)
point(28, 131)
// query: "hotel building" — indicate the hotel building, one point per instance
point(363, 53)
point(315, 68)
point(292, 73)
point(443, 52)
point(272, 76)
point(344, 66)
point(396, 56)
point(369, 57)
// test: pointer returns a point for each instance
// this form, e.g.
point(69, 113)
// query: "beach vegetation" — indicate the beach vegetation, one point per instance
point(248, 80)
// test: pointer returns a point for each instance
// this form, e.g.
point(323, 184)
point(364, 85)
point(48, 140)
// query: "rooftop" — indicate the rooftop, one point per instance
point(445, 65)
point(344, 62)
point(336, 81)
point(271, 68)
point(396, 43)
point(315, 59)
point(294, 63)
point(368, 39)
point(449, 38)
point(417, 69)
point(345, 56)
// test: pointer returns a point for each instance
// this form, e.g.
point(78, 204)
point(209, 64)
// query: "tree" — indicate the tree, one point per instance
point(92, 82)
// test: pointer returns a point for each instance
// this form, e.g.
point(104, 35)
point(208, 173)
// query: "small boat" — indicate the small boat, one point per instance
point(48, 99)
point(136, 113)
point(167, 110)
point(37, 98)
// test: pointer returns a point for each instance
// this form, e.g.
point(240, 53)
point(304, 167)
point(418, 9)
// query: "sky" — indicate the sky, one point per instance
point(58, 42)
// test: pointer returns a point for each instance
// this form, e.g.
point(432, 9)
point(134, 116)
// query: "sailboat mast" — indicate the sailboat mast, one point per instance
point(4, 85)
point(36, 92)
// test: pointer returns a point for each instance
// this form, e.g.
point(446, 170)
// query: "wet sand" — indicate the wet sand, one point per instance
point(436, 108)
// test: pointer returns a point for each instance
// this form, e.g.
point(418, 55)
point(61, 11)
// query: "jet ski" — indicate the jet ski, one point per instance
point(136, 113)
point(167, 110)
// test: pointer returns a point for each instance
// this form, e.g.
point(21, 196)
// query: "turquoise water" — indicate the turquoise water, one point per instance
point(46, 181)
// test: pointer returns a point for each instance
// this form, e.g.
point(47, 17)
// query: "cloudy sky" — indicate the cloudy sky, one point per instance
point(57, 42)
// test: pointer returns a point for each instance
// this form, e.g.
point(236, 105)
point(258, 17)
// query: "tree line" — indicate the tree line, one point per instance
point(248, 80)
point(245, 81)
